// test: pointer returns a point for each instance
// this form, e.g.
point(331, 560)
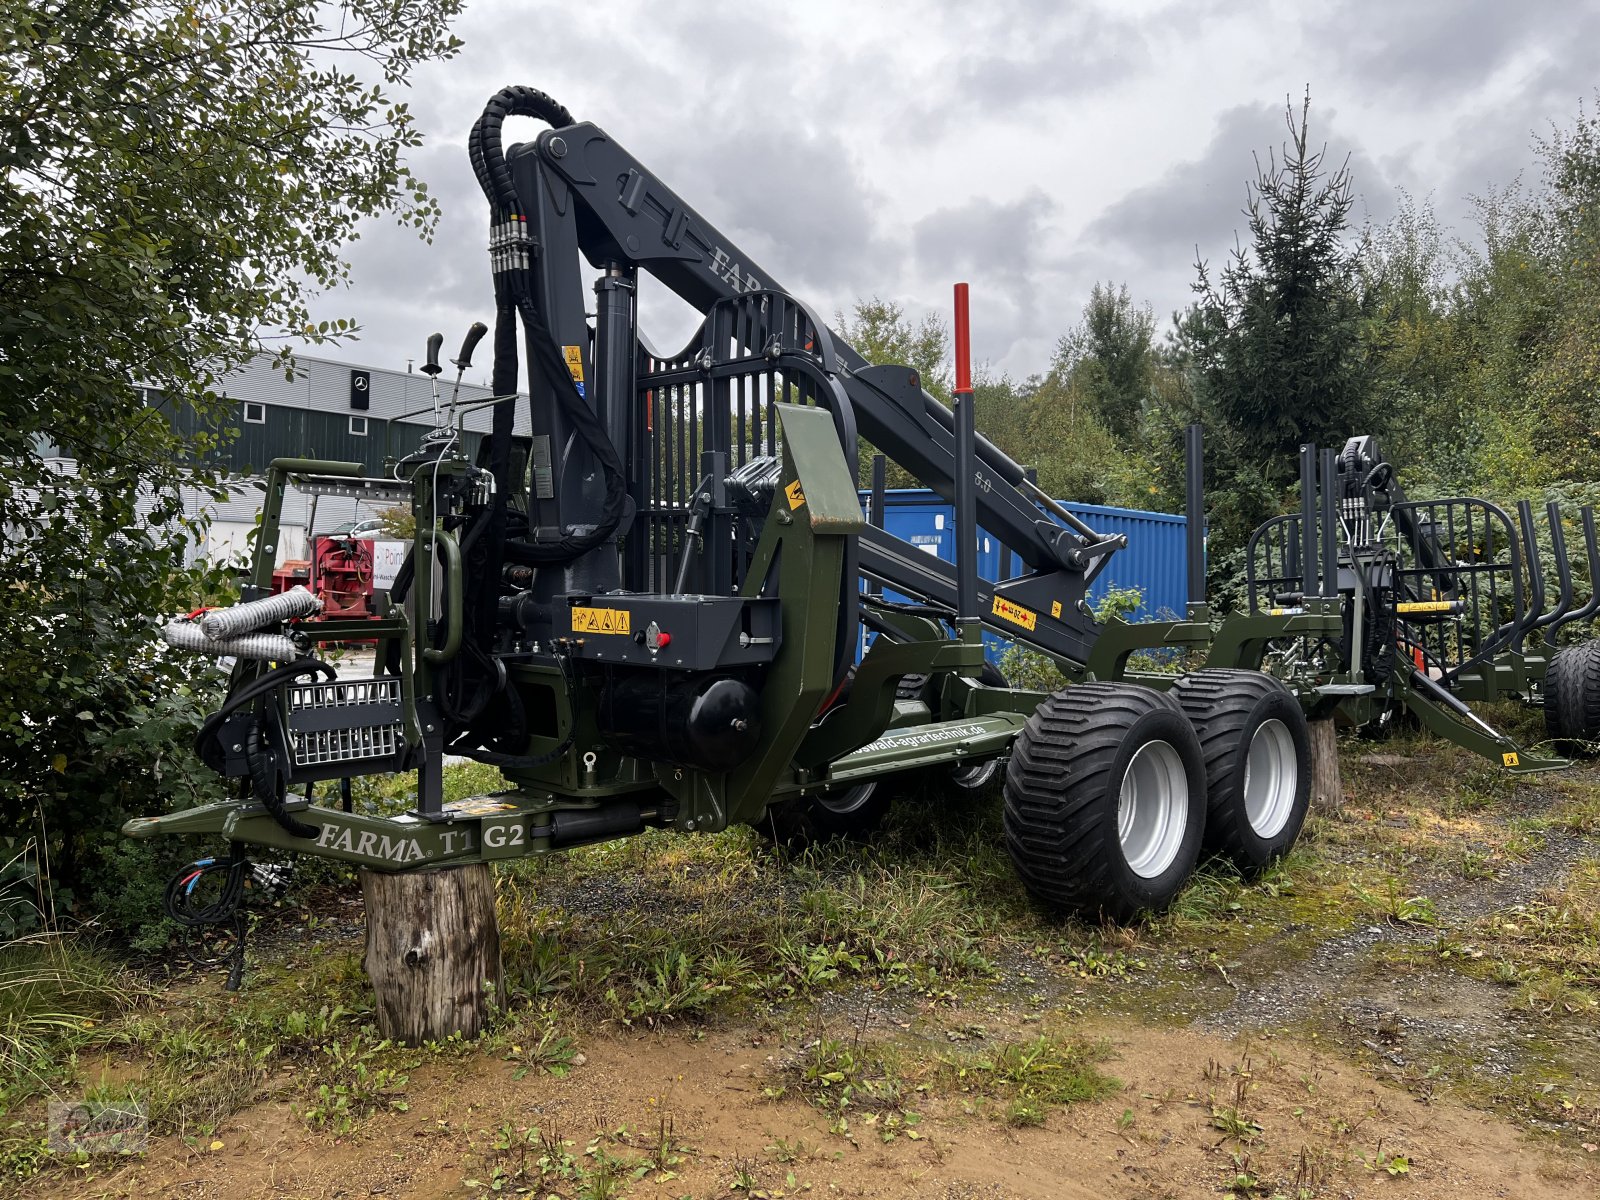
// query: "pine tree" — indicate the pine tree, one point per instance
point(1275, 344)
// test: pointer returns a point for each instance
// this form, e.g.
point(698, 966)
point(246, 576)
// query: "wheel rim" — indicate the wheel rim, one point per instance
point(848, 801)
point(1271, 778)
point(1153, 809)
point(972, 776)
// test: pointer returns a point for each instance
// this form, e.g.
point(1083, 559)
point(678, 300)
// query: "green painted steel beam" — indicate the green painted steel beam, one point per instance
point(927, 745)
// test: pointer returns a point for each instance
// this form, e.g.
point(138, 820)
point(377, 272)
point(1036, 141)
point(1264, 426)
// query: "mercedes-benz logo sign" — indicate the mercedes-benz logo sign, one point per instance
point(359, 382)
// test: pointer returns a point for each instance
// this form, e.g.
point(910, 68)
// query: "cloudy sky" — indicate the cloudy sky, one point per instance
point(1031, 148)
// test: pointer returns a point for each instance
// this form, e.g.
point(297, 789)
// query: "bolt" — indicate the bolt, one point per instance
point(689, 824)
point(558, 147)
point(428, 728)
point(238, 749)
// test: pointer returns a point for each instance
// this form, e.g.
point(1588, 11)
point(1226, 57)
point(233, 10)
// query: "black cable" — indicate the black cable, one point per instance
point(495, 759)
point(206, 743)
point(178, 900)
point(267, 778)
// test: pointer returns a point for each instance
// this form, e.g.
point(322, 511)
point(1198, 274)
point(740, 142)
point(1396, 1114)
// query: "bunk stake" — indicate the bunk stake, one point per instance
point(966, 463)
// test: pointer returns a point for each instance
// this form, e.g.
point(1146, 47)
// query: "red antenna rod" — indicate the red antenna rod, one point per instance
point(963, 342)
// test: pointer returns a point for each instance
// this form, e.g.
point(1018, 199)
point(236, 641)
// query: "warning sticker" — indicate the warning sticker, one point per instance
point(1015, 613)
point(796, 496)
point(1510, 758)
point(1055, 609)
point(1425, 606)
point(601, 620)
point(574, 357)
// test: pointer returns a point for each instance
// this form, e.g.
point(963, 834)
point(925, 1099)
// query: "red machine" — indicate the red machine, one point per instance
point(341, 575)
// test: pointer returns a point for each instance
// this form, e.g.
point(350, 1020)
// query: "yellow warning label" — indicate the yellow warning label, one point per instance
point(1510, 758)
point(1015, 613)
point(1055, 609)
point(601, 620)
point(1426, 606)
point(797, 497)
point(574, 356)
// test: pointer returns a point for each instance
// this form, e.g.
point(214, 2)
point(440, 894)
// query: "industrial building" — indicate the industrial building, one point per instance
point(329, 410)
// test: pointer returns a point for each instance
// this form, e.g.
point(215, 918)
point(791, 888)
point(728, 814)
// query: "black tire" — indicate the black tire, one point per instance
point(1572, 694)
point(1251, 730)
point(911, 687)
point(851, 813)
point(1063, 800)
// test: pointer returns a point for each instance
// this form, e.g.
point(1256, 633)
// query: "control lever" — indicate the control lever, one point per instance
point(464, 360)
point(431, 369)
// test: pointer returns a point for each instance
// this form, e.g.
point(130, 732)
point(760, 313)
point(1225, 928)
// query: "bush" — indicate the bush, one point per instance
point(97, 715)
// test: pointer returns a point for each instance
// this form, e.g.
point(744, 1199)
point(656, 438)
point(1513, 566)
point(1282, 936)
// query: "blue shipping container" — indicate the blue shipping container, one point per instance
point(1153, 561)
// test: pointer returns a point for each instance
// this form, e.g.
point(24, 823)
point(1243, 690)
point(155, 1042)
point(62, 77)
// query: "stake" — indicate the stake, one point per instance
point(966, 502)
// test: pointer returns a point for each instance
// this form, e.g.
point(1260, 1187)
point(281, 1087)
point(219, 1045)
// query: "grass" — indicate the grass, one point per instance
point(880, 1085)
point(671, 929)
point(56, 996)
point(664, 928)
point(531, 1160)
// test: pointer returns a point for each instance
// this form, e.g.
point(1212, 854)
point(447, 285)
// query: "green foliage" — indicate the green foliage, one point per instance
point(352, 1082)
point(1025, 668)
point(1110, 356)
point(175, 184)
point(1275, 344)
point(880, 332)
point(53, 992)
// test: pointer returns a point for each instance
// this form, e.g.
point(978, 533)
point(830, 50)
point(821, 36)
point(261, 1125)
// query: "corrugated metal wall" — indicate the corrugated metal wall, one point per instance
point(1153, 561)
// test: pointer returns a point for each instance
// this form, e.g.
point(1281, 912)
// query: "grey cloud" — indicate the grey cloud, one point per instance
point(998, 246)
point(1417, 48)
point(774, 122)
point(1200, 204)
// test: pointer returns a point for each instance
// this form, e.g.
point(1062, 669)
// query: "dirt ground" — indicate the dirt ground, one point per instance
point(1381, 1027)
point(1154, 1137)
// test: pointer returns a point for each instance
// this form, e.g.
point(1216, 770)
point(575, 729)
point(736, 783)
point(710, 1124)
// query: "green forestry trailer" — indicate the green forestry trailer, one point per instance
point(1441, 604)
point(645, 613)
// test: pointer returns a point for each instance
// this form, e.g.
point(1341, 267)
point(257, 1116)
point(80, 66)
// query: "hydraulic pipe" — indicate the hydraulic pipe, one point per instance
point(256, 614)
point(1558, 548)
point(1330, 546)
point(1592, 553)
point(187, 635)
point(1194, 507)
point(1530, 553)
point(1308, 519)
point(875, 517)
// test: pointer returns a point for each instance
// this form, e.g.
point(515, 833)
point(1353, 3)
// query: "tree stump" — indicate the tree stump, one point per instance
point(433, 951)
point(1327, 790)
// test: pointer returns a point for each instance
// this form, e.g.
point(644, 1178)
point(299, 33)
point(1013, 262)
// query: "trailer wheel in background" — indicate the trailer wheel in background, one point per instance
point(1257, 751)
point(971, 778)
point(1572, 693)
point(1105, 801)
point(849, 812)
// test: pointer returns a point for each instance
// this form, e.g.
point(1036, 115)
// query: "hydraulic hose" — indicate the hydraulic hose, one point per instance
point(267, 782)
point(511, 251)
point(205, 740)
